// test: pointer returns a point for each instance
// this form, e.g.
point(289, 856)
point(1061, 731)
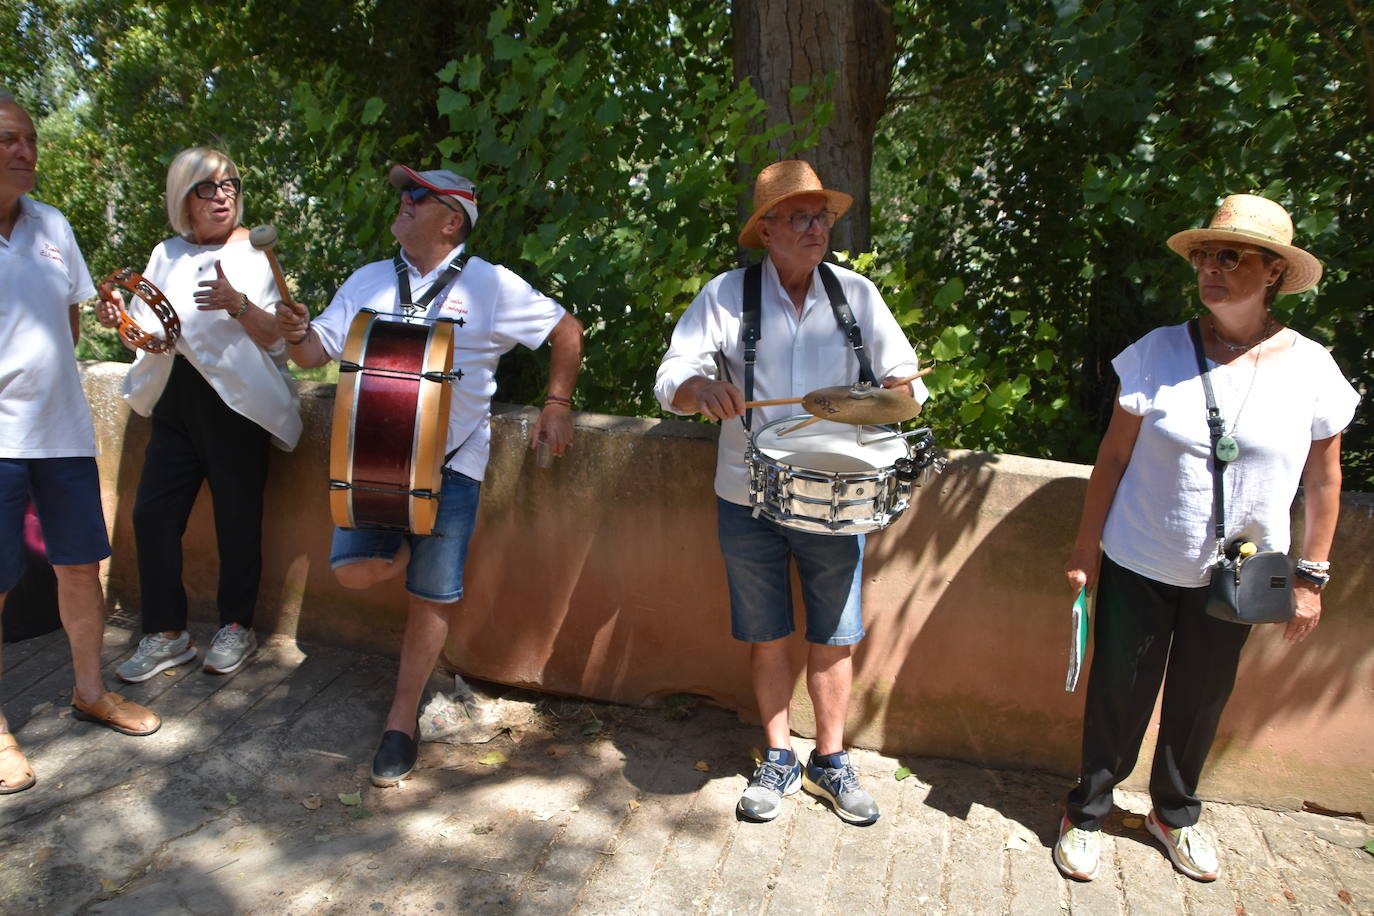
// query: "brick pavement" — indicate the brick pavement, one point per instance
point(595, 809)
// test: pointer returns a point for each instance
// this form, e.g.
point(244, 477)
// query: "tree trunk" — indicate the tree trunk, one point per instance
point(779, 44)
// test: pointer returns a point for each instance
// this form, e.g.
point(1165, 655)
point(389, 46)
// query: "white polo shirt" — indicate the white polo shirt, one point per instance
point(43, 410)
point(252, 381)
point(796, 355)
point(498, 310)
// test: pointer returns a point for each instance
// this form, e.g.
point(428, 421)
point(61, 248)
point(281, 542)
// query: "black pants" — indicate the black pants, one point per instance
point(196, 438)
point(1146, 633)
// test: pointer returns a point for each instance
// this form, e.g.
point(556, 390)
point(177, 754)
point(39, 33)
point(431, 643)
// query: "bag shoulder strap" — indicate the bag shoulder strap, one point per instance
point(1215, 423)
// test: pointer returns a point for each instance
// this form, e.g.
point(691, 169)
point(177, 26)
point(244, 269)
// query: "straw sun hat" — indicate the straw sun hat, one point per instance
point(1256, 221)
point(779, 182)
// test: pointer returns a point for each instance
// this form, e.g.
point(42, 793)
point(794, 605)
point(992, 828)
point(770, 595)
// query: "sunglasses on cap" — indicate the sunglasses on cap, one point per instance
point(1226, 258)
point(205, 190)
point(420, 193)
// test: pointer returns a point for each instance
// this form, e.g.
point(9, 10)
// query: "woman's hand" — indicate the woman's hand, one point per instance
point(108, 307)
point(218, 293)
point(1081, 567)
point(1307, 599)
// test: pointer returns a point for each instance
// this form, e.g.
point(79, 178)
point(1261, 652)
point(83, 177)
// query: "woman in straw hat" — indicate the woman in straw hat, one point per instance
point(1148, 520)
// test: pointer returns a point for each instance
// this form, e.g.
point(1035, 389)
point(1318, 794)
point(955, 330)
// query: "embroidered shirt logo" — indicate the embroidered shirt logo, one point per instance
point(454, 304)
point(51, 252)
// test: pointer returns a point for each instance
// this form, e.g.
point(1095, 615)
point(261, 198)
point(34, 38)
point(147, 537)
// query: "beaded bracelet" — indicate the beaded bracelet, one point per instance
point(1314, 565)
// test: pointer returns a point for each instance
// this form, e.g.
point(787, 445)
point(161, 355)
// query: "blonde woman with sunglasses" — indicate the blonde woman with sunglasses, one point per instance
point(217, 400)
point(1144, 538)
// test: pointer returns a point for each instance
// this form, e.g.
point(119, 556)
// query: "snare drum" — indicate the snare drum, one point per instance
point(828, 478)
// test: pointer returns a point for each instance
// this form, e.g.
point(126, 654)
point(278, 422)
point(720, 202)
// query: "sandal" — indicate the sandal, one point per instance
point(112, 710)
point(15, 775)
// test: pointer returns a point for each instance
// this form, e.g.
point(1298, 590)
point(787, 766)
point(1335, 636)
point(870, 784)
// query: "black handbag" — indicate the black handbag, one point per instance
point(1248, 586)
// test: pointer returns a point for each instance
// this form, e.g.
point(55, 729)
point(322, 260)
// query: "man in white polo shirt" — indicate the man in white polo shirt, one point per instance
point(496, 310)
point(47, 441)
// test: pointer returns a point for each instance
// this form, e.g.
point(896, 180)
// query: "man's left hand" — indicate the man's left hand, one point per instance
point(555, 427)
point(903, 388)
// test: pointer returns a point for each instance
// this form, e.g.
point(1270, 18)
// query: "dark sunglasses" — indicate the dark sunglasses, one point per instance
point(1226, 258)
point(205, 190)
point(420, 193)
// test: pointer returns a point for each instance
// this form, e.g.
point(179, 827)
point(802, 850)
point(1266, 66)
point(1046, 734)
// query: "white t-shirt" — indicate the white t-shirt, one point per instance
point(497, 309)
point(43, 410)
point(1161, 523)
point(796, 355)
point(252, 381)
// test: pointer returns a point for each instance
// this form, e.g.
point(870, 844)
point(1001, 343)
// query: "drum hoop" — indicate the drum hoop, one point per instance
point(140, 287)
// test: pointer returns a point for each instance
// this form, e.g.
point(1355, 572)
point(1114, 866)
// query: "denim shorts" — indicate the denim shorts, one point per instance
point(830, 568)
point(66, 496)
point(435, 571)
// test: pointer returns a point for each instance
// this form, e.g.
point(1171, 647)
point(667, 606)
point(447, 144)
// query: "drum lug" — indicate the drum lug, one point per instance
point(346, 366)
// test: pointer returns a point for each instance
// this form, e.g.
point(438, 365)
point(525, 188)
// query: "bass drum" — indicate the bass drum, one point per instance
point(391, 410)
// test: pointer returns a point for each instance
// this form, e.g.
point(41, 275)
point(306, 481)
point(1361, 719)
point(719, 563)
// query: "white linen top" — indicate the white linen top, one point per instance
point(253, 382)
point(498, 310)
point(1161, 523)
point(796, 355)
point(43, 409)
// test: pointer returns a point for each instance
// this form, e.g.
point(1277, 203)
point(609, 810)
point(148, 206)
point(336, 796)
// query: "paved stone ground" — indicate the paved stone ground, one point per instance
point(595, 809)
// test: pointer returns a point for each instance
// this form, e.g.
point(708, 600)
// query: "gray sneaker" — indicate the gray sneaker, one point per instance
point(773, 779)
point(156, 653)
point(834, 779)
point(230, 649)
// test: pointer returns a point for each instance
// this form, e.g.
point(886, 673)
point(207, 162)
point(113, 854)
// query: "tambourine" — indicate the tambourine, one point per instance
point(136, 285)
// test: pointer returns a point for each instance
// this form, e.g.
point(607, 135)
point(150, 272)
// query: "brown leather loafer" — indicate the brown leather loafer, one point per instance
point(113, 711)
point(15, 775)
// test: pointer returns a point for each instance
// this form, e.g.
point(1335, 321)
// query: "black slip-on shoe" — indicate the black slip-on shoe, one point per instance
point(395, 758)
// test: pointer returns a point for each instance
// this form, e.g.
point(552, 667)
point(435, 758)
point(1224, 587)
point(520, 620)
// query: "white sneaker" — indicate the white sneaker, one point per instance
point(1078, 853)
point(230, 649)
point(156, 653)
point(1191, 850)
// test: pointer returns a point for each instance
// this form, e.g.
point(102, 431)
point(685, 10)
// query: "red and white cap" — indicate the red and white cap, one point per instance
point(440, 181)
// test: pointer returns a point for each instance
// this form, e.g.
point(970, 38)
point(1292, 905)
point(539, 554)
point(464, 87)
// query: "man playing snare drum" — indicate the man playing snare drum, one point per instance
point(494, 310)
point(800, 348)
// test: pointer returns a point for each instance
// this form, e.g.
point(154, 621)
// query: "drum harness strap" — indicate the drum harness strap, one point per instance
point(441, 283)
point(753, 326)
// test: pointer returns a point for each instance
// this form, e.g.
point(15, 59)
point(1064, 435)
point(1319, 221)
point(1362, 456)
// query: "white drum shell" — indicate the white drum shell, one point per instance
point(823, 480)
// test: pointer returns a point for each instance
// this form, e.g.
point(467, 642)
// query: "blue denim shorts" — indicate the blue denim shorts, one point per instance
point(435, 571)
point(66, 496)
point(830, 568)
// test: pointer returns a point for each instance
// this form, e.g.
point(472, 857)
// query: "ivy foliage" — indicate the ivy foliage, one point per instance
point(1036, 156)
point(1032, 161)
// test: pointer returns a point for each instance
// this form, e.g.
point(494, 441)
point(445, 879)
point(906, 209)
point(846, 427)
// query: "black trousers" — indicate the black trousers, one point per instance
point(196, 437)
point(1147, 632)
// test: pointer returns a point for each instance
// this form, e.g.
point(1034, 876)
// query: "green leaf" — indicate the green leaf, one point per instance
point(359, 813)
point(901, 773)
point(949, 293)
point(351, 798)
point(492, 759)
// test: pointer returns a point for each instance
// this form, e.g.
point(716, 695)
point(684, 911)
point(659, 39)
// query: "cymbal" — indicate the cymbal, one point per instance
point(860, 405)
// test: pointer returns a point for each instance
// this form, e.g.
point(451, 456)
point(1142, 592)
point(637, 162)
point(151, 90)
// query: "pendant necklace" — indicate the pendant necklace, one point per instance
point(1227, 449)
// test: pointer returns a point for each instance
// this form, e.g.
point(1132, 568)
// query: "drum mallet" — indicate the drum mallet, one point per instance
point(263, 238)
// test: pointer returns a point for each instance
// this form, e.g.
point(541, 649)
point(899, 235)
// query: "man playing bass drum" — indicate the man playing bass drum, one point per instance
point(495, 310)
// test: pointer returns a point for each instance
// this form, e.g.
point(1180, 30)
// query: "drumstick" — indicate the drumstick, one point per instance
point(801, 425)
point(774, 402)
point(263, 238)
point(911, 378)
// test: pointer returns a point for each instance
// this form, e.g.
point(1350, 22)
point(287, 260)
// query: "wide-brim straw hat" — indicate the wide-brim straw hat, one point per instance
point(781, 181)
point(1258, 221)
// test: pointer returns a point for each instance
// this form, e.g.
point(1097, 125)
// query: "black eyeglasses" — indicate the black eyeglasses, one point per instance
point(1227, 258)
point(420, 193)
point(802, 222)
point(205, 190)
